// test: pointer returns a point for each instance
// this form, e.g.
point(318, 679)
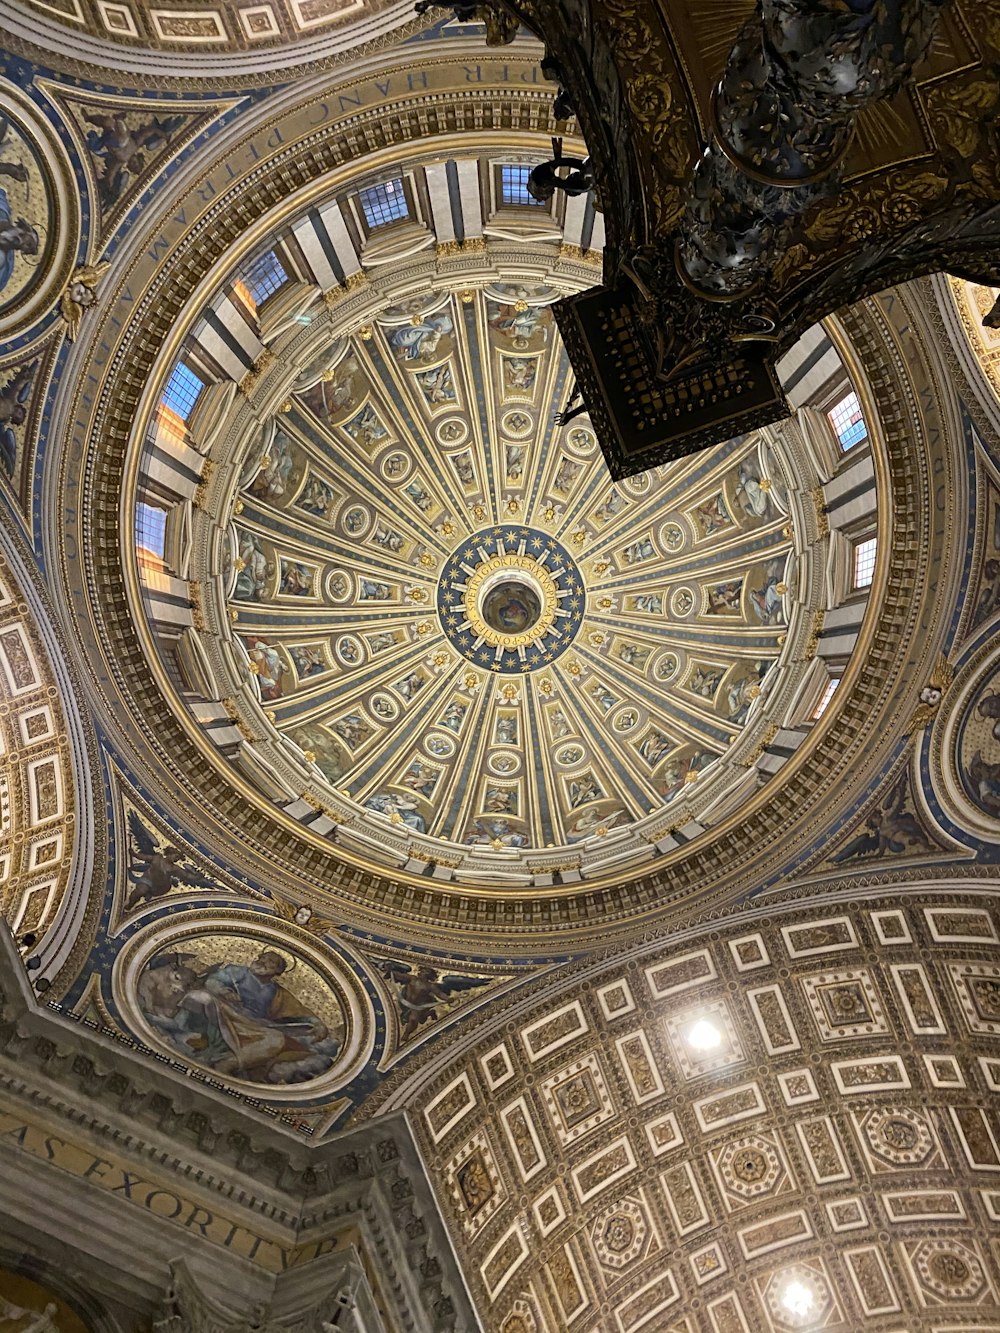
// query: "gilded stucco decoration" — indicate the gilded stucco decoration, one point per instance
point(962, 748)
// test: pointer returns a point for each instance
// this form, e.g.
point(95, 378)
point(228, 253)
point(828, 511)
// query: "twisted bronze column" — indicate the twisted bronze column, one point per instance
point(797, 77)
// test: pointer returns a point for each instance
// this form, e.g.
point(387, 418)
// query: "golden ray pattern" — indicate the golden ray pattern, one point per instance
point(427, 452)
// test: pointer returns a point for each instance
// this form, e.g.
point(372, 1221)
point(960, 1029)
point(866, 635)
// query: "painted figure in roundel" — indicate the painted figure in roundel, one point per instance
point(25, 214)
point(979, 747)
point(243, 1009)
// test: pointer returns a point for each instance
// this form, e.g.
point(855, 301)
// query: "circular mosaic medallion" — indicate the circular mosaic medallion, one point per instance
point(39, 213)
point(357, 520)
point(511, 599)
point(397, 466)
point(452, 432)
point(666, 666)
point(682, 602)
point(253, 1005)
point(384, 707)
point(504, 762)
point(625, 720)
point(438, 745)
point(580, 440)
point(672, 536)
point(517, 424)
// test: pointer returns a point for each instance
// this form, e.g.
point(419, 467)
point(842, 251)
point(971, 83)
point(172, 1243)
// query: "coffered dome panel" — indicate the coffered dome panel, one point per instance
point(430, 613)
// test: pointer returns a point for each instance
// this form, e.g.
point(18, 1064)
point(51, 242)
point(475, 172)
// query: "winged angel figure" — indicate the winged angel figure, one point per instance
point(154, 872)
point(889, 828)
point(931, 695)
point(120, 149)
point(421, 991)
point(302, 914)
point(80, 294)
point(14, 412)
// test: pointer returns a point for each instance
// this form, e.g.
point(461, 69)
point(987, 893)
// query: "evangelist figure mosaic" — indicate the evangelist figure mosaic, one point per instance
point(15, 394)
point(979, 747)
point(242, 1009)
point(25, 212)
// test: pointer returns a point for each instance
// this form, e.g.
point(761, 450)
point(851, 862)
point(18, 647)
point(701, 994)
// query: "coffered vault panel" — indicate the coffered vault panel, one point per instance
point(38, 800)
point(671, 1141)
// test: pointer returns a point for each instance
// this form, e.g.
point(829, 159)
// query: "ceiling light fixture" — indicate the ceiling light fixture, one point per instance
point(797, 1298)
point(704, 1036)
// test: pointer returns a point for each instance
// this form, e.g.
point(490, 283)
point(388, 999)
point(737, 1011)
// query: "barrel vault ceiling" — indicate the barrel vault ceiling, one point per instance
point(636, 839)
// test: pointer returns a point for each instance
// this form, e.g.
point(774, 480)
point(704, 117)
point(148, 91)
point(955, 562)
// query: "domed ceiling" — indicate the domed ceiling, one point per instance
point(430, 609)
point(625, 630)
point(596, 721)
point(212, 43)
